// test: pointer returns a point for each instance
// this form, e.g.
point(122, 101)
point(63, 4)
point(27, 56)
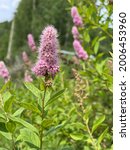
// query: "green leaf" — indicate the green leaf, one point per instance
point(54, 129)
point(6, 85)
point(101, 38)
point(77, 136)
point(2, 148)
point(3, 127)
point(24, 123)
point(11, 126)
point(47, 122)
point(18, 112)
point(97, 123)
point(33, 89)
point(6, 96)
point(2, 117)
point(87, 112)
point(6, 135)
point(102, 135)
point(30, 138)
point(29, 107)
point(96, 47)
point(54, 97)
point(8, 104)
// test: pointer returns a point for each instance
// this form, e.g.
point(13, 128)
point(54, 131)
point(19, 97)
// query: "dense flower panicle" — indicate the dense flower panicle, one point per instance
point(31, 42)
point(48, 57)
point(81, 53)
point(77, 20)
point(27, 77)
point(40, 69)
point(75, 32)
point(4, 73)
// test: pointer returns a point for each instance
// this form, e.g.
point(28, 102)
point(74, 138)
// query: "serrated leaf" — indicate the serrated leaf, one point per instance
point(97, 123)
point(77, 136)
point(54, 97)
point(102, 135)
point(24, 123)
point(33, 89)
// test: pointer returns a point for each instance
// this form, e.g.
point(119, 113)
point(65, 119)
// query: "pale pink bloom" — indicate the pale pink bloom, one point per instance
point(75, 32)
point(81, 53)
point(74, 11)
point(4, 73)
point(25, 57)
point(27, 77)
point(77, 20)
point(31, 42)
point(48, 57)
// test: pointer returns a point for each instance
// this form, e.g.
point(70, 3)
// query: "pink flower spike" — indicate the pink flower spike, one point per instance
point(48, 57)
point(81, 53)
point(77, 20)
point(75, 32)
point(4, 73)
point(31, 42)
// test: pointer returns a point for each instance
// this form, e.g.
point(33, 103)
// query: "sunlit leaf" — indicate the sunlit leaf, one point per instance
point(33, 89)
point(97, 123)
point(77, 136)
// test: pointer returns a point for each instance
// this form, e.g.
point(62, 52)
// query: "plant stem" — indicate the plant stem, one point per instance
point(91, 136)
point(13, 143)
point(42, 116)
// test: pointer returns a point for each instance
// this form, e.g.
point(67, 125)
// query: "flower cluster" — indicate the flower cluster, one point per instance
point(47, 63)
point(75, 32)
point(31, 42)
point(77, 20)
point(4, 73)
point(79, 50)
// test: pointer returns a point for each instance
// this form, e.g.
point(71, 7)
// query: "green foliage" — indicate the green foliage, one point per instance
point(4, 37)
